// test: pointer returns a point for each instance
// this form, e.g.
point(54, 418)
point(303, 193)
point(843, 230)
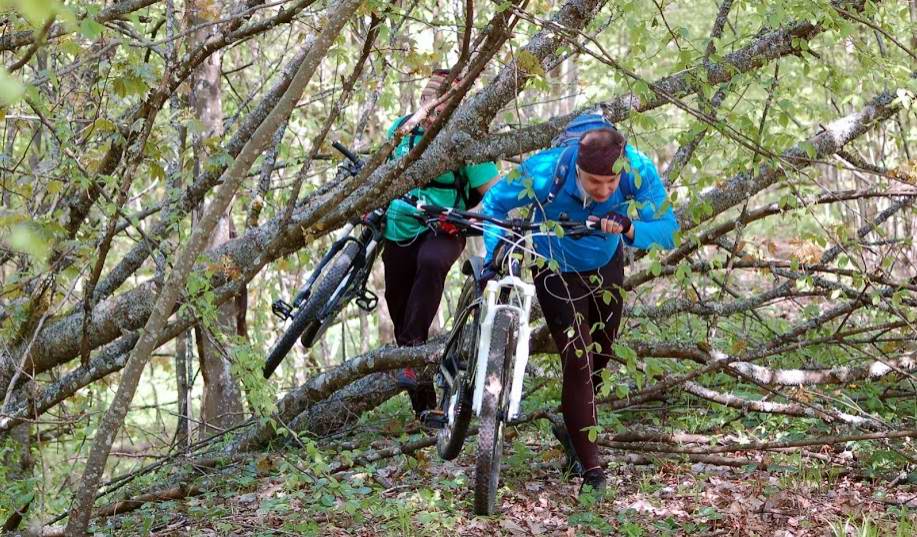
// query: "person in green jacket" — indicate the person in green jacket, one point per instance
point(417, 258)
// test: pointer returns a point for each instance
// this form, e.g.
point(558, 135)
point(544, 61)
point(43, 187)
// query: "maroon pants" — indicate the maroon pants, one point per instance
point(577, 300)
point(415, 273)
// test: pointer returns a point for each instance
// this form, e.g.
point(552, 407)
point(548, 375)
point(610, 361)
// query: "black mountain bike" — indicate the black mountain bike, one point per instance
point(483, 364)
point(340, 277)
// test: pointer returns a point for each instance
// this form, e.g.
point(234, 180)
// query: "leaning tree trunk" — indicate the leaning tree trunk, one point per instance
point(221, 406)
point(81, 509)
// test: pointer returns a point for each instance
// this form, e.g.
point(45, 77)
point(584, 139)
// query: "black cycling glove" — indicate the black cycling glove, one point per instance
point(620, 219)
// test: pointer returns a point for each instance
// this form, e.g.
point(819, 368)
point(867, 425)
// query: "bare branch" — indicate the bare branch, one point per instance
point(19, 39)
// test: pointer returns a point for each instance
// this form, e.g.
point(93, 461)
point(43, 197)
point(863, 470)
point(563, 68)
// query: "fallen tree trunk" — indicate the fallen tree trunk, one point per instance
point(324, 385)
point(756, 446)
point(346, 405)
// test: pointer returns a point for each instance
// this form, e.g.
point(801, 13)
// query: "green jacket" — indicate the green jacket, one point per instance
point(400, 225)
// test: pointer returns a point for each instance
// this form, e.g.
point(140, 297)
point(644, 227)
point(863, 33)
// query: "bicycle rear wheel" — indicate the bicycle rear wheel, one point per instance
point(336, 272)
point(306, 321)
point(493, 406)
point(455, 401)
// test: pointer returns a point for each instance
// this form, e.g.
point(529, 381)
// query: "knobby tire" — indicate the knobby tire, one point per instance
point(335, 272)
point(493, 405)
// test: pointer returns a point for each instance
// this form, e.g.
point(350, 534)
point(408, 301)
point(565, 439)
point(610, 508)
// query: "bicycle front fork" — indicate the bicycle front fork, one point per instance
point(523, 332)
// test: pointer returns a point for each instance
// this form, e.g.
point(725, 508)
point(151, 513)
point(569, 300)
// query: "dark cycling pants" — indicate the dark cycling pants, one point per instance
point(415, 273)
point(575, 300)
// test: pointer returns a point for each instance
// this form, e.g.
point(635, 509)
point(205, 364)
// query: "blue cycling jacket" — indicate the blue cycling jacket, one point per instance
point(640, 196)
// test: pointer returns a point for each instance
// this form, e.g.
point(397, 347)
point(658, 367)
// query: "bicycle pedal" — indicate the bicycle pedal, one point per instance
point(282, 309)
point(367, 301)
point(433, 419)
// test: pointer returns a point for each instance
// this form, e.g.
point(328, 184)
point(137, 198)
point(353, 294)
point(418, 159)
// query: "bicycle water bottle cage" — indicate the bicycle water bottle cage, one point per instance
point(282, 309)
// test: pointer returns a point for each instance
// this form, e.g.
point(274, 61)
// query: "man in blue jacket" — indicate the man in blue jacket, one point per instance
point(594, 177)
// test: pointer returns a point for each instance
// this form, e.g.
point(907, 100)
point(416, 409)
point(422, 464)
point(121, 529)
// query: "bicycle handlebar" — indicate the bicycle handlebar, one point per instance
point(347, 153)
point(468, 219)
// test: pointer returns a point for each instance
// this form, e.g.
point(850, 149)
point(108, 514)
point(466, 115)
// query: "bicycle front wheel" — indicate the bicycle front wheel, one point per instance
point(455, 401)
point(306, 321)
point(493, 406)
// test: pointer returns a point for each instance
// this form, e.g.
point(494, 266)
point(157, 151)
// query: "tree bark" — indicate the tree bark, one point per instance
point(337, 16)
point(221, 404)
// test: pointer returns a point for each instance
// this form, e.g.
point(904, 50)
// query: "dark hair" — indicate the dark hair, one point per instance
point(598, 151)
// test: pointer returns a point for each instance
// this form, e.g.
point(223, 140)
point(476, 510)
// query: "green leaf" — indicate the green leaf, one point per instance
point(653, 369)
point(29, 239)
point(157, 171)
point(529, 62)
point(618, 165)
point(503, 6)
point(104, 125)
point(624, 351)
point(37, 12)
point(642, 90)
point(809, 149)
point(682, 271)
point(11, 90)
point(90, 28)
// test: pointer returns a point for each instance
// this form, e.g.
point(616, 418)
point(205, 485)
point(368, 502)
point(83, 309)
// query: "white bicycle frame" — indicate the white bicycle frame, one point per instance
point(521, 294)
point(520, 300)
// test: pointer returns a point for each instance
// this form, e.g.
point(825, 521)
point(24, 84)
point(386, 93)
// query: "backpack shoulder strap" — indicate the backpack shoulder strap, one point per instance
point(460, 183)
point(402, 120)
point(569, 140)
point(463, 185)
point(560, 173)
point(416, 132)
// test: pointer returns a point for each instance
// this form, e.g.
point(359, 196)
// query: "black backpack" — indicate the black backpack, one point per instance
point(460, 183)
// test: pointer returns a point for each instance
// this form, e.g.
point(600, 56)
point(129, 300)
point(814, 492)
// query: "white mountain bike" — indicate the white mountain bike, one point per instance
point(482, 368)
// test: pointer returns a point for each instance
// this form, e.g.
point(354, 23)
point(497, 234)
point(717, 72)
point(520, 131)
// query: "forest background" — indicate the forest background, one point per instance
point(166, 173)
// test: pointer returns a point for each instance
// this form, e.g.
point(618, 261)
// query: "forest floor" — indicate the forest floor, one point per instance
point(291, 492)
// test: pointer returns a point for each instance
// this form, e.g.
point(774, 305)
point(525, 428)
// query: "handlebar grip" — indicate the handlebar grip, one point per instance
point(346, 152)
